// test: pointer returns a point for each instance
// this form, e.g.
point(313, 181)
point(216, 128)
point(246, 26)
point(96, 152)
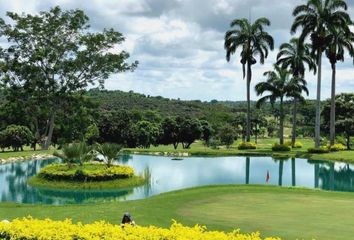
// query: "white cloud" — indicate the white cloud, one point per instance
point(179, 43)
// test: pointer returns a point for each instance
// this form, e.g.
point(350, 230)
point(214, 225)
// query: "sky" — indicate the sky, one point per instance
point(179, 44)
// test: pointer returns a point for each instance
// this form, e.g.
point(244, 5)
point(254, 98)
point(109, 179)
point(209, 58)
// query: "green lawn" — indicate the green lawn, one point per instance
point(26, 153)
point(264, 147)
point(286, 212)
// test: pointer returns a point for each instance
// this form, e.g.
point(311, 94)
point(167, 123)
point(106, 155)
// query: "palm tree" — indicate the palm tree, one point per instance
point(253, 41)
point(316, 18)
point(75, 152)
point(109, 151)
point(280, 85)
point(339, 41)
point(69, 154)
point(294, 56)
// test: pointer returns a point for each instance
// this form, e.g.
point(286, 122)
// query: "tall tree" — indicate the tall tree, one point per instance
point(294, 56)
point(316, 18)
point(339, 41)
point(54, 54)
point(253, 41)
point(280, 85)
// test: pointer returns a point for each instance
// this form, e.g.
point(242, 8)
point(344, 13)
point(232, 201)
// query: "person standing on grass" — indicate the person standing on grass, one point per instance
point(127, 219)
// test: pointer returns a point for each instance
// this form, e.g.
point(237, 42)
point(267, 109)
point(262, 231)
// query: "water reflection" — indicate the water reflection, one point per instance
point(166, 175)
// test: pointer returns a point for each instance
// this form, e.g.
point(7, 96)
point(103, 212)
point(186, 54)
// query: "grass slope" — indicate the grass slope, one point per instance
point(289, 213)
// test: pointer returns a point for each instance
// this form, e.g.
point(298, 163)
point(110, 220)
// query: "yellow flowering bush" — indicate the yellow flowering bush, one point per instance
point(30, 229)
point(88, 171)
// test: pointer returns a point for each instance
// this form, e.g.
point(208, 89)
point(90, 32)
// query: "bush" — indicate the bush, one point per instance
point(337, 147)
point(29, 228)
point(280, 148)
point(88, 172)
point(297, 144)
point(319, 150)
point(247, 145)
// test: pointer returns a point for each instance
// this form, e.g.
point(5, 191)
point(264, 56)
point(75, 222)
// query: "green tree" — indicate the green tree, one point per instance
point(109, 151)
point(344, 114)
point(170, 132)
point(339, 41)
point(253, 41)
point(54, 54)
point(227, 135)
point(15, 136)
point(316, 18)
point(294, 56)
point(189, 131)
point(147, 133)
point(280, 85)
point(92, 134)
point(207, 131)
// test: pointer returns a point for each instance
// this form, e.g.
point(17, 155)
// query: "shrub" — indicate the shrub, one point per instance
point(319, 150)
point(29, 228)
point(337, 147)
point(247, 145)
point(297, 144)
point(280, 147)
point(88, 172)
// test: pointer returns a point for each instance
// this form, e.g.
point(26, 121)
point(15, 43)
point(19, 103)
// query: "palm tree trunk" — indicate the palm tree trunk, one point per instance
point(332, 128)
point(293, 172)
point(281, 130)
point(281, 166)
point(247, 170)
point(249, 76)
point(318, 103)
point(293, 135)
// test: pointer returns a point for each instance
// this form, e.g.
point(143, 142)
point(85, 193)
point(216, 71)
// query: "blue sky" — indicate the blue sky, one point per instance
point(179, 43)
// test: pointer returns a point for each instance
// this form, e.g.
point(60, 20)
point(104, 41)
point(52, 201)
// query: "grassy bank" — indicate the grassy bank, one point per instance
point(289, 213)
point(28, 152)
point(264, 148)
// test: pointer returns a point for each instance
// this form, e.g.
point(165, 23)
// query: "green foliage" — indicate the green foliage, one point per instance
point(337, 147)
point(280, 148)
point(247, 145)
point(297, 144)
point(227, 135)
point(109, 151)
point(92, 134)
point(320, 150)
point(147, 133)
point(57, 49)
point(15, 136)
point(86, 172)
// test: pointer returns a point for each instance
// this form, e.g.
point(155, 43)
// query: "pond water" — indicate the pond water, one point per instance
point(167, 175)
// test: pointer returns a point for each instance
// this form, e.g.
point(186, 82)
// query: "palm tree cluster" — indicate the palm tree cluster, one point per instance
point(80, 152)
point(325, 28)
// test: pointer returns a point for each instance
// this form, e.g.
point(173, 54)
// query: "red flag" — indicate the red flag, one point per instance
point(267, 177)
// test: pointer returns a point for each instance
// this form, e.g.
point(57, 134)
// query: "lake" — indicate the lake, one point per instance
point(168, 175)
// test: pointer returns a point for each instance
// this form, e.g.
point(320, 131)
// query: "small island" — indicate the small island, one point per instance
point(80, 171)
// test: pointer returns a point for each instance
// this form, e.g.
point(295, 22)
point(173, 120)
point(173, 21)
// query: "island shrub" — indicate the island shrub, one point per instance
point(337, 147)
point(87, 172)
point(247, 145)
point(29, 228)
point(320, 150)
point(280, 148)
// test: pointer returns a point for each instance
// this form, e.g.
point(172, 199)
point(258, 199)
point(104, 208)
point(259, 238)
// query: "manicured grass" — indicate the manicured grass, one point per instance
point(264, 148)
point(286, 212)
point(134, 181)
point(26, 153)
